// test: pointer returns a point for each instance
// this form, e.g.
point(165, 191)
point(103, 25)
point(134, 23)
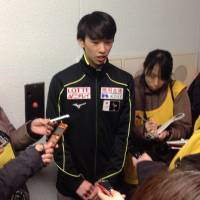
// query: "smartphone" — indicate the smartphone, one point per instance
point(105, 187)
point(59, 131)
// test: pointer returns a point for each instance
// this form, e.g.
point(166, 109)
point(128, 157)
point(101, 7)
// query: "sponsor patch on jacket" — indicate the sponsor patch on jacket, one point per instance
point(78, 93)
point(112, 106)
point(112, 93)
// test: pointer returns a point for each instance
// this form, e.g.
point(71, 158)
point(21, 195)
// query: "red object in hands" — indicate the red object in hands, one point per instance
point(58, 132)
point(104, 190)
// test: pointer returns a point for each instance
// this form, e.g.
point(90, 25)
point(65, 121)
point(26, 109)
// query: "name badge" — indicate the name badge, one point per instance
point(112, 93)
point(111, 106)
point(78, 93)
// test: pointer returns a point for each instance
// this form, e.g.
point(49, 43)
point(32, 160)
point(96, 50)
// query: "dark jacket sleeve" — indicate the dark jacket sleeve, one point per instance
point(124, 128)
point(181, 128)
point(146, 169)
point(194, 95)
point(73, 178)
point(20, 138)
point(15, 173)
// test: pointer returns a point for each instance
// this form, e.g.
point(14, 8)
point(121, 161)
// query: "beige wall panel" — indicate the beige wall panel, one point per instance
point(185, 66)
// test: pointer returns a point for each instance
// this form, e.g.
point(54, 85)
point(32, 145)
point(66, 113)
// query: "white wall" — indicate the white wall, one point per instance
point(144, 25)
point(38, 38)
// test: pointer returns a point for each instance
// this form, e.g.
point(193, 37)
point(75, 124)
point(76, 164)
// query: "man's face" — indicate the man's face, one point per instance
point(96, 51)
point(153, 80)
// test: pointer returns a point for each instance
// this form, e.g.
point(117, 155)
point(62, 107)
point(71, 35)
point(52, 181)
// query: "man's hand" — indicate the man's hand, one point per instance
point(93, 195)
point(42, 126)
point(115, 195)
point(86, 190)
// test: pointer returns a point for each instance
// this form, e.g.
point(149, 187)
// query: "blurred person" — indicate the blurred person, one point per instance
point(16, 172)
point(178, 184)
point(12, 141)
point(146, 167)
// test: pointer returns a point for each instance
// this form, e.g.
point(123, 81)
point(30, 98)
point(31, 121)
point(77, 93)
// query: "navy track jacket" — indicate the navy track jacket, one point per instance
point(100, 105)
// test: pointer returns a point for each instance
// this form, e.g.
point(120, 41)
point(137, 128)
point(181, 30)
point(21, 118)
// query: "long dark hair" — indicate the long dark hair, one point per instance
point(164, 59)
point(161, 57)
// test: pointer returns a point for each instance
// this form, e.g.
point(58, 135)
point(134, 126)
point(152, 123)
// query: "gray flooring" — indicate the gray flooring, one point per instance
point(42, 185)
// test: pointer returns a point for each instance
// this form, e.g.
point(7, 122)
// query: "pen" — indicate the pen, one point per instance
point(61, 117)
point(148, 135)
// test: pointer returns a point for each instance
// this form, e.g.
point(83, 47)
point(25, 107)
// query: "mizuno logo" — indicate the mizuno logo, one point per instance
point(79, 105)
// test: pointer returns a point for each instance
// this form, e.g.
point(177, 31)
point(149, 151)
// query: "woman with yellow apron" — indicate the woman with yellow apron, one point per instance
point(157, 99)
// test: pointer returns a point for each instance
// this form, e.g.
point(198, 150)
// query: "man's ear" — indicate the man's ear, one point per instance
point(81, 43)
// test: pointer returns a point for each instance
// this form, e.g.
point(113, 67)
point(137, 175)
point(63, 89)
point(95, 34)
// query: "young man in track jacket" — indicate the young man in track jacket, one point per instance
point(99, 99)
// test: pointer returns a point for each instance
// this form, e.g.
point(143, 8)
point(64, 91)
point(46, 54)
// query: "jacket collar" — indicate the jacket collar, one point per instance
point(91, 70)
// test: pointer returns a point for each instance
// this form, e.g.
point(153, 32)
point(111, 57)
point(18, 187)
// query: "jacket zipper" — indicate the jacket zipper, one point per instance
point(96, 127)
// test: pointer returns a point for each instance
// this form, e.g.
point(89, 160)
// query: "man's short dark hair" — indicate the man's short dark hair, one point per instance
point(97, 25)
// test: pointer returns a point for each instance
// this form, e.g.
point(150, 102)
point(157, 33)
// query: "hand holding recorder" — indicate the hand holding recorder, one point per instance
point(58, 132)
point(60, 129)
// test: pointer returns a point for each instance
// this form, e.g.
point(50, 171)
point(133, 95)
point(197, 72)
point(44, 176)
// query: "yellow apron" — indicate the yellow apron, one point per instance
point(191, 147)
point(6, 155)
point(160, 115)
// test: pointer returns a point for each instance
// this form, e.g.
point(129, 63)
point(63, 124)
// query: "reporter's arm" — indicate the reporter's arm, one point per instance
point(148, 168)
point(15, 173)
point(29, 133)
